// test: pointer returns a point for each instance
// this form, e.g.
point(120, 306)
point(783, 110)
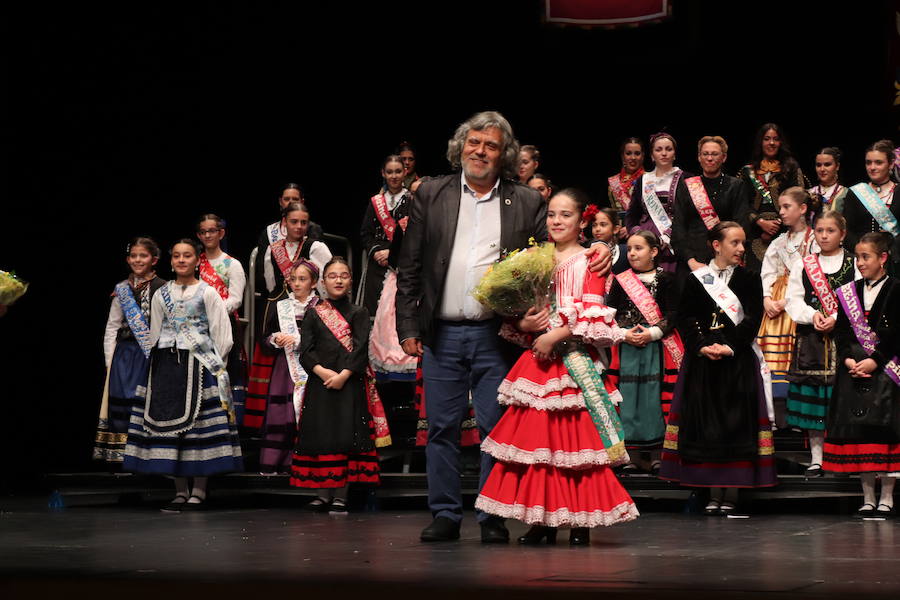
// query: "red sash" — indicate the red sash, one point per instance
point(819, 282)
point(282, 259)
point(388, 223)
point(640, 295)
point(211, 277)
point(702, 202)
point(340, 328)
point(621, 187)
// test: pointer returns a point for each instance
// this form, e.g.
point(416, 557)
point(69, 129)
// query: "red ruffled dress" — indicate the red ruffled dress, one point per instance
point(553, 466)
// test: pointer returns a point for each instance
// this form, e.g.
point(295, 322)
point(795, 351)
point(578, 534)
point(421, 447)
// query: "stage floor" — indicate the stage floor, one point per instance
point(249, 552)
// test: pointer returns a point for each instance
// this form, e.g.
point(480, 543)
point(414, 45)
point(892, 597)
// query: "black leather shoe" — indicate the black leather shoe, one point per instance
point(536, 535)
point(580, 536)
point(441, 529)
point(493, 531)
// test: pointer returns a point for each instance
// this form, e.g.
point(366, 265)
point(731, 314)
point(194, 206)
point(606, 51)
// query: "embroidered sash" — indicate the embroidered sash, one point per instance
point(388, 223)
point(287, 321)
point(819, 282)
point(877, 208)
point(340, 328)
point(866, 337)
point(759, 185)
point(657, 211)
point(282, 258)
point(201, 346)
point(702, 202)
point(620, 193)
point(602, 410)
point(731, 305)
point(640, 295)
point(274, 232)
point(134, 316)
point(212, 278)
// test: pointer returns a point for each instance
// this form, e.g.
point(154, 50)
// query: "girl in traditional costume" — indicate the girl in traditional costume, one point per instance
point(776, 334)
point(278, 256)
point(556, 443)
point(873, 205)
point(644, 366)
point(605, 226)
point(718, 435)
point(813, 306)
point(226, 275)
point(383, 211)
point(186, 426)
point(772, 169)
point(619, 191)
point(282, 339)
point(863, 424)
point(341, 422)
point(654, 196)
point(126, 348)
point(829, 190)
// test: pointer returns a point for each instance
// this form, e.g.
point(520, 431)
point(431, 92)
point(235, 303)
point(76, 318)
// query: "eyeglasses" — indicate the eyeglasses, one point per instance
point(336, 276)
point(710, 154)
point(208, 231)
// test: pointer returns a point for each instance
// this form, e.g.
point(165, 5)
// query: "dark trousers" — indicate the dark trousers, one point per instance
point(465, 357)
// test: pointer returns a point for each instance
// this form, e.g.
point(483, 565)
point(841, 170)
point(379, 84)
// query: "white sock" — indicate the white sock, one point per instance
point(181, 488)
point(198, 490)
point(868, 486)
point(887, 490)
point(816, 446)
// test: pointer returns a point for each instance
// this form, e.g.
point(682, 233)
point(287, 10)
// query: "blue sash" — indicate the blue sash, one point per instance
point(877, 208)
point(134, 316)
point(201, 346)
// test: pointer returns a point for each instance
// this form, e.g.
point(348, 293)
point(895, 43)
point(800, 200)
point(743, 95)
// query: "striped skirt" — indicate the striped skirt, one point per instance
point(125, 387)
point(335, 470)
point(807, 406)
point(209, 447)
point(776, 340)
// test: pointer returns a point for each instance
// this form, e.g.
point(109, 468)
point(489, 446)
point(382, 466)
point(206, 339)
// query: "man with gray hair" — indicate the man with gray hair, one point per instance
point(459, 224)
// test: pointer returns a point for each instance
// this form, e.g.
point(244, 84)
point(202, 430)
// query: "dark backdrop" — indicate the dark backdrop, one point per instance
point(134, 118)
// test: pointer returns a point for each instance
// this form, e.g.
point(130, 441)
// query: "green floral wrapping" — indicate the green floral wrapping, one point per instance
point(603, 413)
point(517, 282)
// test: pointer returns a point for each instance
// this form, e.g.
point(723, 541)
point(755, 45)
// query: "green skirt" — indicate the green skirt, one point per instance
point(807, 406)
point(640, 383)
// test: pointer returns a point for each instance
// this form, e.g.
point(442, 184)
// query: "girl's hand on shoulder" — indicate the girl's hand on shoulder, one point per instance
point(535, 320)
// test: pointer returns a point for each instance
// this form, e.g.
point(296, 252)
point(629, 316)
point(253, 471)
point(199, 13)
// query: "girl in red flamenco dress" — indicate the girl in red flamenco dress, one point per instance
point(560, 436)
